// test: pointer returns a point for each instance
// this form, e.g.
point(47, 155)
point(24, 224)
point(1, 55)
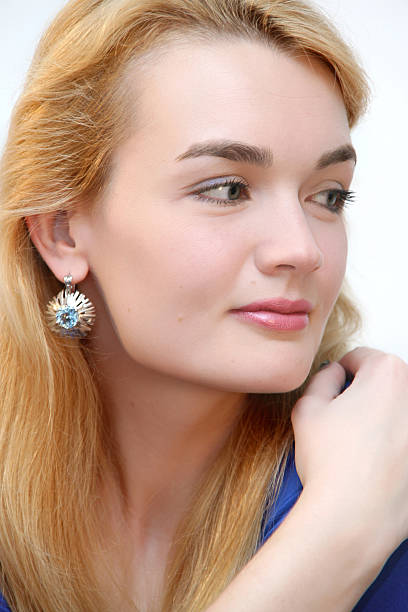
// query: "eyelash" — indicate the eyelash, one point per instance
point(226, 183)
point(344, 197)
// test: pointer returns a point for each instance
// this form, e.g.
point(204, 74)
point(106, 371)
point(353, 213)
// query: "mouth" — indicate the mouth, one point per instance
point(279, 314)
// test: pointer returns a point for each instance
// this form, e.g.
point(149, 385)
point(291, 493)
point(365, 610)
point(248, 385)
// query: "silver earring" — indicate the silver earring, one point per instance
point(70, 313)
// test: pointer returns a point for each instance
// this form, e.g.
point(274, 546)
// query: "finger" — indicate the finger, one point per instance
point(357, 358)
point(327, 383)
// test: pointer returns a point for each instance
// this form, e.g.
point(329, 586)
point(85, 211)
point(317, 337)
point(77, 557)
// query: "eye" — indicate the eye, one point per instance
point(235, 191)
point(333, 199)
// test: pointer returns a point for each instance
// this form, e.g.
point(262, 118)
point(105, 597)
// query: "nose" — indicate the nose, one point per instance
point(288, 241)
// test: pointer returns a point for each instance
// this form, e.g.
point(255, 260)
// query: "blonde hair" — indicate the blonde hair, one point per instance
point(53, 447)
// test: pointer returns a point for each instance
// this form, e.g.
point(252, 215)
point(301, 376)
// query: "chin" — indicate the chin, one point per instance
point(277, 382)
point(280, 387)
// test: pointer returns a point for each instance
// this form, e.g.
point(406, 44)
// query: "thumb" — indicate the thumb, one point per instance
point(307, 413)
point(327, 383)
point(324, 386)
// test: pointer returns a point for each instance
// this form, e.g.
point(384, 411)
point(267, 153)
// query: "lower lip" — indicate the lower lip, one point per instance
point(275, 320)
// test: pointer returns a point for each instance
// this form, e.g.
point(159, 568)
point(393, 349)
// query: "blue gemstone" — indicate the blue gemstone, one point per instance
point(67, 317)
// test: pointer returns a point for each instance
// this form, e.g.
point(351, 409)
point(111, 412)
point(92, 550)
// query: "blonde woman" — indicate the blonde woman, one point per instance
point(175, 175)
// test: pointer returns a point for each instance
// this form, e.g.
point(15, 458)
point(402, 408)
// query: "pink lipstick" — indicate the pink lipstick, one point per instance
point(276, 313)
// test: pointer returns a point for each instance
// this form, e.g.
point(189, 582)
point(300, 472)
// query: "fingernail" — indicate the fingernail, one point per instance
point(324, 364)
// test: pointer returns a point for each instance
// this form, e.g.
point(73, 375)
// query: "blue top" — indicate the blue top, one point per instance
point(3, 606)
point(388, 593)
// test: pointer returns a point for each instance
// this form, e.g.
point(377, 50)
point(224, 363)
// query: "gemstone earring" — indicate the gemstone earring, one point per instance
point(70, 313)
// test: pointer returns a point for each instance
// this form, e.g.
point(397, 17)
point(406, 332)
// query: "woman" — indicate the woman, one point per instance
point(180, 161)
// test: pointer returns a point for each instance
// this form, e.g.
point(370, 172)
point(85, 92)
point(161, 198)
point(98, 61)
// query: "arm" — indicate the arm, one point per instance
point(307, 565)
point(351, 457)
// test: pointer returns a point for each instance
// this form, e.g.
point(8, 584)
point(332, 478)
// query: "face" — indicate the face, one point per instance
point(181, 239)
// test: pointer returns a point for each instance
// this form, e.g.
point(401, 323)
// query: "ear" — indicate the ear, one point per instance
point(50, 234)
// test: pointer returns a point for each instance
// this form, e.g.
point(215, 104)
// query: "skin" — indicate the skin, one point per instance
point(164, 269)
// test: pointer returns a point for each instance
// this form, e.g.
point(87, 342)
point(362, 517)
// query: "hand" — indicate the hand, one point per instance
point(351, 450)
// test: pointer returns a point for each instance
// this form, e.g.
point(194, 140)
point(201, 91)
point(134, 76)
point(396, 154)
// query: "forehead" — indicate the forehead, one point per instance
point(237, 89)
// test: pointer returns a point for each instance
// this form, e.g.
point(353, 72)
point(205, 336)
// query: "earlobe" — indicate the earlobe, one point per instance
point(50, 235)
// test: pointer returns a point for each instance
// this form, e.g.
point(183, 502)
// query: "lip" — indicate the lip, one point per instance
point(278, 305)
point(279, 314)
point(294, 321)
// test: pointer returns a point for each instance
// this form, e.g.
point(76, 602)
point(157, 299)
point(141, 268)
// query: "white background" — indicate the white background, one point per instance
point(378, 221)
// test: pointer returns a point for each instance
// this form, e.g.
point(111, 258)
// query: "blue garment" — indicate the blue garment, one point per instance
point(3, 605)
point(388, 593)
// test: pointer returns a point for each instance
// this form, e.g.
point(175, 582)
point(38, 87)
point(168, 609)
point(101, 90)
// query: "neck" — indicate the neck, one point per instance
point(166, 432)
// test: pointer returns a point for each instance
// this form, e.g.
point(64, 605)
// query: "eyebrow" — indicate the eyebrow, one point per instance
point(341, 154)
point(230, 149)
point(259, 156)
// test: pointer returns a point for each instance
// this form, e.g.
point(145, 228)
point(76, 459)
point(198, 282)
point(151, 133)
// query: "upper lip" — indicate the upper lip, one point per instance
point(279, 304)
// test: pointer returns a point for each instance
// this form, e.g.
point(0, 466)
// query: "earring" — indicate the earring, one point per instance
point(70, 313)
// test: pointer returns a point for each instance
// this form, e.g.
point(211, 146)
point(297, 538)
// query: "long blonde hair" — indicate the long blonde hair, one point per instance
point(53, 450)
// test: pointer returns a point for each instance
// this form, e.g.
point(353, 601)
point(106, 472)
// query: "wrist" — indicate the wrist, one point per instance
point(354, 534)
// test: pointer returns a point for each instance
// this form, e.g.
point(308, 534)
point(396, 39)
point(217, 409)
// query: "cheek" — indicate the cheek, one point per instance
point(334, 248)
point(157, 271)
point(167, 285)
